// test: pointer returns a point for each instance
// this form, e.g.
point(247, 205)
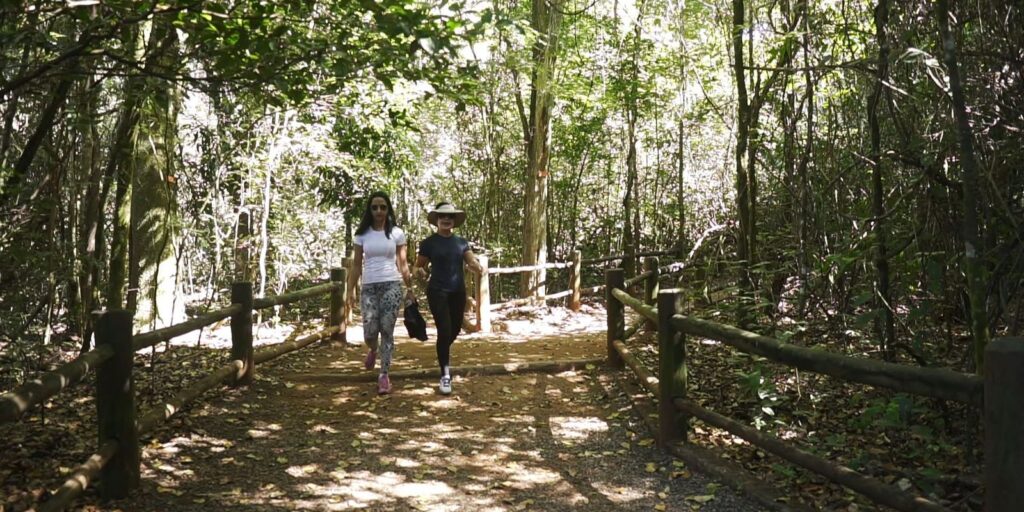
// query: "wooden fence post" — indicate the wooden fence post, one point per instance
point(115, 405)
point(615, 278)
point(483, 296)
point(672, 378)
point(243, 245)
point(651, 285)
point(1004, 424)
point(241, 332)
point(346, 263)
point(575, 278)
point(338, 300)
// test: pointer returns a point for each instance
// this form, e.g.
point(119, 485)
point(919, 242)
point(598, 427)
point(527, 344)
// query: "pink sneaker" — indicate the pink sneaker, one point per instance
point(383, 384)
point(371, 359)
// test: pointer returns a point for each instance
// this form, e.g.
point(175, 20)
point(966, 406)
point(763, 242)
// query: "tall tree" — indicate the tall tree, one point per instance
point(974, 248)
point(743, 205)
point(631, 100)
point(884, 319)
point(154, 213)
point(546, 21)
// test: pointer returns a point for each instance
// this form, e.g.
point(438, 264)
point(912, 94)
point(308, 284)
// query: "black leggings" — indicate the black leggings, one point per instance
point(447, 308)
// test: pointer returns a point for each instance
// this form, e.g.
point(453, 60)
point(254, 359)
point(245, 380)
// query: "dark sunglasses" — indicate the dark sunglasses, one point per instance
point(379, 207)
point(450, 216)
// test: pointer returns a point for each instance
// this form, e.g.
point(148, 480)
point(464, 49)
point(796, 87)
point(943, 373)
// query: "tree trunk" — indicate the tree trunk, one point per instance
point(91, 213)
point(119, 170)
point(885, 325)
point(547, 19)
point(47, 120)
point(804, 191)
point(683, 142)
point(154, 234)
point(742, 134)
point(628, 242)
point(974, 250)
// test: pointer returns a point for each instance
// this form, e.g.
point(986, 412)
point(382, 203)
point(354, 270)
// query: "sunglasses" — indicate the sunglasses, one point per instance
point(379, 207)
point(449, 216)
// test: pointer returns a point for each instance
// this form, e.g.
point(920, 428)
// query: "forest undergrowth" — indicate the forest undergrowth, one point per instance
point(920, 445)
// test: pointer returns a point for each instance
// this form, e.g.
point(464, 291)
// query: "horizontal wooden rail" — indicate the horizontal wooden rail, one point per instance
point(639, 278)
point(671, 268)
point(161, 413)
point(80, 479)
point(931, 382)
point(647, 379)
point(648, 312)
point(14, 404)
point(631, 330)
point(529, 268)
point(148, 339)
point(870, 487)
point(273, 351)
point(637, 255)
point(288, 298)
point(528, 300)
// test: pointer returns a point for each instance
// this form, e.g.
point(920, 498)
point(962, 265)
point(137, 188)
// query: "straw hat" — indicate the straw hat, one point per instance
point(460, 216)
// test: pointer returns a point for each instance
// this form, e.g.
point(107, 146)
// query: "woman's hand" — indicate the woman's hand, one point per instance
point(420, 273)
point(350, 298)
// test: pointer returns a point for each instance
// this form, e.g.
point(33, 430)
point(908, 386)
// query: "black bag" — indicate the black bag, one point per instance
point(414, 322)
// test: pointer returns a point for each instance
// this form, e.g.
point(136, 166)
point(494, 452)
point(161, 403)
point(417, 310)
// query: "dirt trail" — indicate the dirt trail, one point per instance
point(298, 439)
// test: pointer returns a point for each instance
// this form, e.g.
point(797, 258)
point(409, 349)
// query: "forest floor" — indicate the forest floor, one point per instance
point(299, 438)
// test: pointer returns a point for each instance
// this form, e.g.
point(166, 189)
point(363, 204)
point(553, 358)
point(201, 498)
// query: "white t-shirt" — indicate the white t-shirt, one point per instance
point(379, 255)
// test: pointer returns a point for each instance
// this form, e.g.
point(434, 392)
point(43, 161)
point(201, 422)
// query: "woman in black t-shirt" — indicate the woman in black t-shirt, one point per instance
point(446, 290)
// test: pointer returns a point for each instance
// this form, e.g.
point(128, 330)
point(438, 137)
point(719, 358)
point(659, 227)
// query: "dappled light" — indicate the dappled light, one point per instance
point(784, 238)
point(297, 440)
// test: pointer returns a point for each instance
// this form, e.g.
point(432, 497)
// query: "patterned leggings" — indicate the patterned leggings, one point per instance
point(379, 303)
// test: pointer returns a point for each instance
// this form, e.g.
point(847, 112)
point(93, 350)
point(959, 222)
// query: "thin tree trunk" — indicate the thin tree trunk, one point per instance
point(90, 212)
point(974, 249)
point(119, 170)
point(884, 321)
point(681, 169)
point(804, 191)
point(628, 243)
point(47, 120)
point(742, 134)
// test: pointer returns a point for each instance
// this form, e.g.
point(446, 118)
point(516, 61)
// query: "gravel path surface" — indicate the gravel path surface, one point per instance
point(547, 442)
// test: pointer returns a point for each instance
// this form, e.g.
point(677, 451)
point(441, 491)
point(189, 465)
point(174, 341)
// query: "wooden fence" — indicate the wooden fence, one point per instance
point(998, 394)
point(117, 460)
point(574, 293)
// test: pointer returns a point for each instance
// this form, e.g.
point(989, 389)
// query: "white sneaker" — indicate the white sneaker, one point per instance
point(446, 385)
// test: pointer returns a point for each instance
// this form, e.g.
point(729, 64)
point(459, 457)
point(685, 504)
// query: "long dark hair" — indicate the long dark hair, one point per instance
point(367, 220)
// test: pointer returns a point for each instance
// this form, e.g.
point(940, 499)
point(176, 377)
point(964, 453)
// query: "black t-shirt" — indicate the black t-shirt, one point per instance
point(446, 258)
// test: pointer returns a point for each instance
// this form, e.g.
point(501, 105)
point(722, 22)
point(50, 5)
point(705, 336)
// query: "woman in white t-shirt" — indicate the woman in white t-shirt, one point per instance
point(380, 258)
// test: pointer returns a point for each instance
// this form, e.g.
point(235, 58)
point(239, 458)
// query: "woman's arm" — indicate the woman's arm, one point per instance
point(353, 277)
point(472, 262)
point(420, 267)
point(402, 261)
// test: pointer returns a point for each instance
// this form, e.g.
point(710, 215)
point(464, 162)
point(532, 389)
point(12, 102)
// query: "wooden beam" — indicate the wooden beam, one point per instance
point(934, 382)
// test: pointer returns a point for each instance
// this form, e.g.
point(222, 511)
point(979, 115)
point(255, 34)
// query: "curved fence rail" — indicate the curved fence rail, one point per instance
point(999, 393)
point(117, 460)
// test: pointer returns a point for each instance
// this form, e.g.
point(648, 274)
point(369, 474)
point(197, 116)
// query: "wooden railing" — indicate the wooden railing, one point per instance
point(575, 291)
point(998, 394)
point(117, 460)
